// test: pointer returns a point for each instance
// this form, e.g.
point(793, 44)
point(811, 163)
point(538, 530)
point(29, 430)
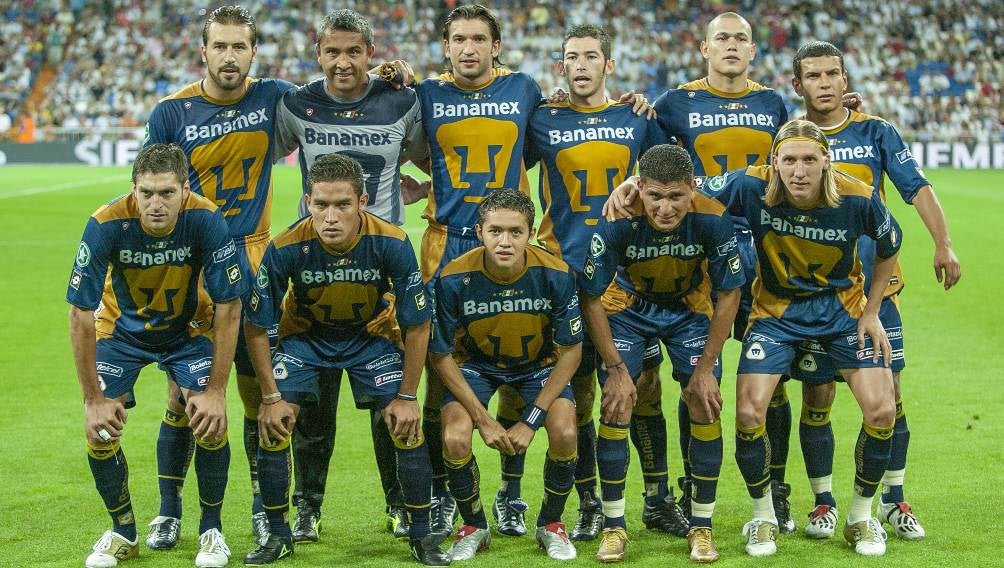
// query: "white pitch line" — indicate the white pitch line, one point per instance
point(61, 186)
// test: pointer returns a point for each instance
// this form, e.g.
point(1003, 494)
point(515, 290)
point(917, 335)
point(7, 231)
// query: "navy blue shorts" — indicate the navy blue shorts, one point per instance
point(638, 329)
point(813, 365)
point(119, 364)
point(770, 344)
point(375, 367)
point(484, 383)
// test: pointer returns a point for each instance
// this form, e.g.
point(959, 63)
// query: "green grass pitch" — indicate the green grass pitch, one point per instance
point(50, 514)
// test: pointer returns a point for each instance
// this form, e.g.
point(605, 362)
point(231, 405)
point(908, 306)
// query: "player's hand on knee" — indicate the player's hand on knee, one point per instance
point(103, 420)
point(275, 422)
point(703, 397)
point(649, 386)
point(207, 414)
point(495, 437)
point(621, 199)
point(520, 435)
point(403, 420)
point(619, 396)
point(870, 326)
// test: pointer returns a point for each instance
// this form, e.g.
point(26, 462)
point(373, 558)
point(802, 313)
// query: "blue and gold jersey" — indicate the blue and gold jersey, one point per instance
point(584, 153)
point(807, 252)
point(512, 326)
point(671, 269)
point(229, 145)
point(722, 131)
point(331, 294)
point(870, 148)
point(144, 286)
point(476, 141)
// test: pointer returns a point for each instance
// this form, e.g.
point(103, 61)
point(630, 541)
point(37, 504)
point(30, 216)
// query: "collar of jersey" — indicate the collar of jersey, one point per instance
point(716, 92)
point(843, 124)
point(453, 79)
point(607, 104)
point(247, 87)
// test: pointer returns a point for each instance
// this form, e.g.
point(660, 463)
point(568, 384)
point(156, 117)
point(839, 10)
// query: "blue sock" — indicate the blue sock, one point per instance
point(212, 465)
point(416, 484)
point(706, 462)
point(815, 434)
point(175, 447)
point(871, 456)
point(612, 457)
point(465, 479)
point(753, 458)
point(683, 422)
point(779, 432)
point(111, 478)
point(585, 466)
point(648, 434)
point(559, 477)
point(512, 466)
point(893, 492)
point(275, 465)
point(432, 431)
point(251, 450)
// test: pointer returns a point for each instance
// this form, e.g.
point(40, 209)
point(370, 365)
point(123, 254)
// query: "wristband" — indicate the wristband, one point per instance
point(271, 398)
point(534, 416)
point(408, 397)
point(617, 364)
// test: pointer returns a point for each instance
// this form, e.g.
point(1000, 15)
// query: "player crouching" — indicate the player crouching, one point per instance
point(507, 314)
point(337, 265)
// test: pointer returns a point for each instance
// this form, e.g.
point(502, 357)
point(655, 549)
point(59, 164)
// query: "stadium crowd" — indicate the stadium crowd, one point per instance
point(933, 67)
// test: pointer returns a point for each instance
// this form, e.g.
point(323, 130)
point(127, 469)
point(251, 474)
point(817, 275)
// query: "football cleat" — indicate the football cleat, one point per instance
point(686, 495)
point(164, 533)
point(509, 515)
point(554, 540)
point(275, 548)
point(307, 524)
point(590, 520)
point(213, 550)
point(259, 528)
point(666, 516)
point(761, 537)
point(613, 545)
point(901, 518)
point(110, 549)
point(469, 541)
point(702, 547)
point(822, 522)
point(779, 493)
point(443, 512)
point(426, 550)
point(397, 521)
point(866, 537)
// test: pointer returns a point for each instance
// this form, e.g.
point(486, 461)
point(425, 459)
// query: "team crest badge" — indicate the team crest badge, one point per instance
point(83, 255)
point(717, 183)
point(280, 371)
point(188, 105)
point(306, 249)
point(756, 352)
point(808, 363)
point(262, 277)
point(310, 111)
point(125, 225)
point(596, 245)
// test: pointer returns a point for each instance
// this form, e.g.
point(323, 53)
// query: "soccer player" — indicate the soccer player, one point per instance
point(507, 314)
point(323, 281)
point(666, 262)
point(133, 293)
point(361, 115)
point(867, 148)
point(587, 146)
point(726, 122)
point(807, 220)
point(225, 124)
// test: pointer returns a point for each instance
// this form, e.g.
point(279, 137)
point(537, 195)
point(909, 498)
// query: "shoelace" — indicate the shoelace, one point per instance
point(877, 532)
point(610, 539)
point(514, 508)
point(104, 542)
point(212, 541)
point(703, 538)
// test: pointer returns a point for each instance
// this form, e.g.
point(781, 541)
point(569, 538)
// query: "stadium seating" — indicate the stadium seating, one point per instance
point(933, 67)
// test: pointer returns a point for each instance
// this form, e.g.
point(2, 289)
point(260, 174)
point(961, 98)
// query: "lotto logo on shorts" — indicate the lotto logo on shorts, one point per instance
point(735, 265)
point(589, 269)
point(385, 378)
point(420, 300)
point(202, 381)
point(575, 325)
point(756, 352)
point(233, 274)
point(864, 354)
point(695, 359)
